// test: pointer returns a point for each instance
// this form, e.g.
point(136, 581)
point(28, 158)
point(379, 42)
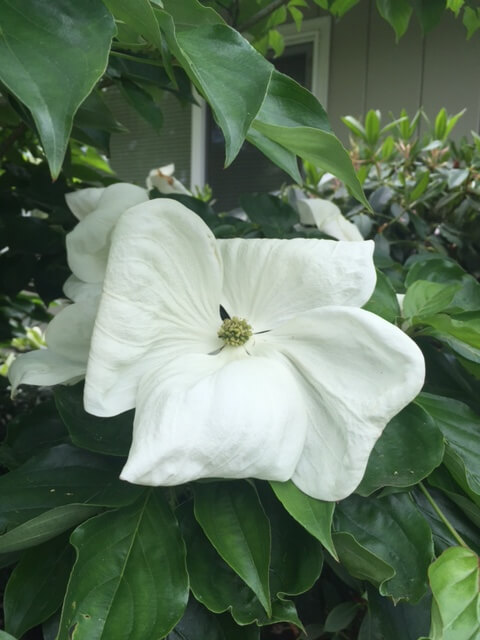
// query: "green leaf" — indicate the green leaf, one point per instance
point(200, 624)
point(274, 217)
point(471, 20)
point(420, 186)
point(341, 616)
point(429, 12)
point(454, 578)
point(355, 126)
point(285, 159)
point(461, 429)
point(425, 298)
point(292, 117)
point(372, 127)
point(37, 585)
point(461, 335)
point(129, 580)
point(383, 302)
point(76, 36)
point(232, 518)
point(94, 113)
point(400, 621)
point(191, 13)
point(397, 13)
point(111, 436)
point(296, 558)
point(406, 551)
point(46, 526)
point(314, 515)
point(359, 561)
point(61, 476)
point(215, 58)
point(143, 103)
point(139, 15)
point(6, 636)
point(408, 450)
point(339, 8)
point(217, 586)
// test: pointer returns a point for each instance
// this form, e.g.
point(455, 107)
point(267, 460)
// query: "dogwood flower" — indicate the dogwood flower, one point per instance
point(244, 357)
point(328, 218)
point(68, 341)
point(163, 180)
point(68, 334)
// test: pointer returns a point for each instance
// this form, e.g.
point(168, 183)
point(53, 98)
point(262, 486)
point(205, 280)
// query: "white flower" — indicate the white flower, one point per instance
point(162, 179)
point(328, 218)
point(303, 398)
point(68, 342)
point(68, 334)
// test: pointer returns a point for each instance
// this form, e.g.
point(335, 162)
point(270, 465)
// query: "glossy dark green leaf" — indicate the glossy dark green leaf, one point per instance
point(360, 562)
point(40, 428)
point(111, 436)
point(63, 475)
point(215, 57)
point(139, 15)
point(217, 586)
point(292, 117)
point(443, 480)
point(296, 557)
point(143, 103)
point(36, 588)
point(383, 302)
point(455, 578)
point(401, 621)
point(129, 580)
point(407, 549)
point(341, 616)
point(397, 13)
point(314, 515)
point(45, 526)
point(94, 113)
point(6, 636)
point(461, 429)
point(274, 217)
point(408, 450)
point(234, 521)
point(76, 36)
point(199, 624)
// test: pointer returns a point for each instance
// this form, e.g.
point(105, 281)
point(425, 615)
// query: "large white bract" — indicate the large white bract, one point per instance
point(68, 334)
point(328, 218)
point(305, 398)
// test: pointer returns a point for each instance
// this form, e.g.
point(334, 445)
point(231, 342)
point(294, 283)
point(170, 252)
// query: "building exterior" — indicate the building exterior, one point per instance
point(351, 65)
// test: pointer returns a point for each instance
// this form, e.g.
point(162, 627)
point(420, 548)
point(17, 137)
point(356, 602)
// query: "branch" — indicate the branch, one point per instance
point(263, 13)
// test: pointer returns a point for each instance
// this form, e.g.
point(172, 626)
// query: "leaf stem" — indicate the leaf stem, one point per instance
point(442, 517)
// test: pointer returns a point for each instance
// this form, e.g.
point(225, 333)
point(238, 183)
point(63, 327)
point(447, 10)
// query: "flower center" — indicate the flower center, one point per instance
point(235, 331)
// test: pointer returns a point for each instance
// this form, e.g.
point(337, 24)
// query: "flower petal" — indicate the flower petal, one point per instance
point(84, 201)
point(44, 368)
point(207, 417)
point(328, 218)
point(270, 281)
point(162, 179)
point(70, 332)
point(160, 299)
point(89, 242)
point(77, 290)
point(357, 372)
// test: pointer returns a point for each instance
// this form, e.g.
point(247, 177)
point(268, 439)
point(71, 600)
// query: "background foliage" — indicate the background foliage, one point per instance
point(84, 555)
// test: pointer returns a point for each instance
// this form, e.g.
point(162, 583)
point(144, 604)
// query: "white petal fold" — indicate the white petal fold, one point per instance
point(207, 417)
point(270, 281)
point(160, 299)
point(44, 368)
point(328, 218)
point(77, 290)
point(89, 242)
point(357, 371)
point(70, 332)
point(84, 201)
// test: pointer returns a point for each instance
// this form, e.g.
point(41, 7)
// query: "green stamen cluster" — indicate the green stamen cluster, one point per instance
point(235, 331)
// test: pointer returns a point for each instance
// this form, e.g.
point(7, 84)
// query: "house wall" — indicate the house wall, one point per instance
point(367, 70)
